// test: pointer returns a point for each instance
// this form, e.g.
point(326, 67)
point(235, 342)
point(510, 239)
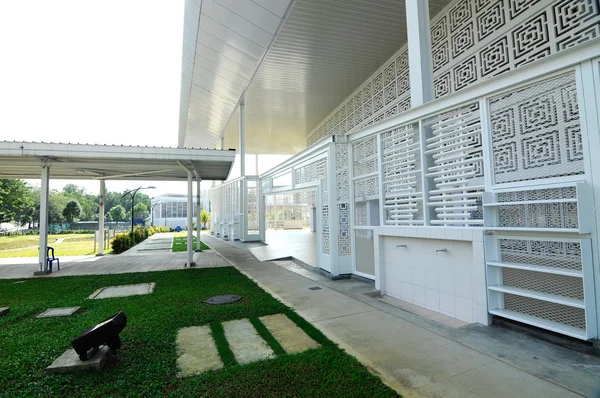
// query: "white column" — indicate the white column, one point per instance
point(222, 142)
point(43, 246)
point(419, 51)
point(190, 229)
point(198, 218)
point(256, 160)
point(242, 140)
point(101, 219)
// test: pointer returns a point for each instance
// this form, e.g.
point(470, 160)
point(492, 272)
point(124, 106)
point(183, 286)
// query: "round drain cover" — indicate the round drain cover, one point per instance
point(225, 299)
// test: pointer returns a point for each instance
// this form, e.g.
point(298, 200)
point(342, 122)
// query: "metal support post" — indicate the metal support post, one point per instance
point(101, 219)
point(43, 226)
point(198, 215)
point(190, 228)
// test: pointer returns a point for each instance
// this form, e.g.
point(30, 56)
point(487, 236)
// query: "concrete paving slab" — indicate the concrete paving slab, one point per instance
point(123, 291)
point(58, 312)
point(290, 336)
point(245, 343)
point(197, 351)
point(4, 311)
point(69, 361)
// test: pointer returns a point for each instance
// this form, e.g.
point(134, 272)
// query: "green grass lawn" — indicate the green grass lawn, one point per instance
point(146, 364)
point(27, 245)
point(180, 243)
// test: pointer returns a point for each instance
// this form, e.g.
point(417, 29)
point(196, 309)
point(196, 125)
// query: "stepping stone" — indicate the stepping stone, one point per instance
point(197, 351)
point(290, 336)
point(58, 312)
point(19, 282)
point(245, 342)
point(4, 311)
point(69, 361)
point(123, 291)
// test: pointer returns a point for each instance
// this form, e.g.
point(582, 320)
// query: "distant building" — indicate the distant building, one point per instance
point(170, 210)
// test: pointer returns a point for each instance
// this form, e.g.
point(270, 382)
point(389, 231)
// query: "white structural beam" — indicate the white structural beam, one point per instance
point(242, 139)
point(419, 52)
point(101, 219)
point(43, 226)
point(198, 216)
point(190, 229)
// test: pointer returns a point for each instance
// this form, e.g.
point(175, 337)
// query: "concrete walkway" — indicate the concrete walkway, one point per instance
point(153, 254)
point(418, 356)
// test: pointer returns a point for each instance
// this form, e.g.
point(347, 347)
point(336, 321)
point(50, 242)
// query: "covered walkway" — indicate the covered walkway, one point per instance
point(416, 355)
point(143, 257)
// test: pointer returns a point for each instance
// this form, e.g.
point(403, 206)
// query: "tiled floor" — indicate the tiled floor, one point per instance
point(300, 244)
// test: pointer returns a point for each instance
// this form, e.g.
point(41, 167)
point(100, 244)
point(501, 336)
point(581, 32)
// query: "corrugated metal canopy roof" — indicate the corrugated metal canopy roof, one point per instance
point(94, 162)
point(323, 52)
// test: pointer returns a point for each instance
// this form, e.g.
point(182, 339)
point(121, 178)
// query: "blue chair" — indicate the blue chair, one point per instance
point(52, 259)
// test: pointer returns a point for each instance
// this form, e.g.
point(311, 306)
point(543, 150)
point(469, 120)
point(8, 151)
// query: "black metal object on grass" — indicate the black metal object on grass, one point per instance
point(105, 332)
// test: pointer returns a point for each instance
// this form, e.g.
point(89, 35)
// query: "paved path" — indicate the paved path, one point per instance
point(137, 259)
point(419, 356)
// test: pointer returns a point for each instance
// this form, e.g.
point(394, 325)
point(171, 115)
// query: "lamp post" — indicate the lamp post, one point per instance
point(132, 194)
point(152, 211)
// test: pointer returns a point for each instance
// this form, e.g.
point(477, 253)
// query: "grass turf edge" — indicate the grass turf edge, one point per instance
point(223, 348)
point(267, 336)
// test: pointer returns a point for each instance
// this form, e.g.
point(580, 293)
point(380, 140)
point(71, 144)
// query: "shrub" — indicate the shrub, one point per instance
point(121, 243)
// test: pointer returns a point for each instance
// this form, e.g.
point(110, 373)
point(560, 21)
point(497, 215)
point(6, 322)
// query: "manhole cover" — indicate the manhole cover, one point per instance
point(225, 299)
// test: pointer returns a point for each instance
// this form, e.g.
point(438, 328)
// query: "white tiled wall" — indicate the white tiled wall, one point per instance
point(452, 282)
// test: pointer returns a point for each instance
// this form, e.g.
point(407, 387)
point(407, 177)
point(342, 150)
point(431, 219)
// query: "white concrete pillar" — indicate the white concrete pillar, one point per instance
point(256, 164)
point(222, 142)
point(101, 219)
point(190, 229)
point(242, 139)
point(198, 218)
point(43, 226)
point(419, 51)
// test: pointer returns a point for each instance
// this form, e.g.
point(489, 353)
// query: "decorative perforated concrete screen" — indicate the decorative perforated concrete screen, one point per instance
point(252, 202)
point(385, 94)
point(402, 184)
point(456, 167)
point(474, 40)
point(536, 131)
point(541, 280)
point(343, 199)
point(365, 167)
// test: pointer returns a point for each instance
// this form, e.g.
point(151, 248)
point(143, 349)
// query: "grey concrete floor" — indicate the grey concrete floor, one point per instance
point(416, 355)
point(301, 244)
point(153, 254)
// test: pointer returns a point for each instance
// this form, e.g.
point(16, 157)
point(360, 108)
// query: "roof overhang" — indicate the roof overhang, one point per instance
point(105, 162)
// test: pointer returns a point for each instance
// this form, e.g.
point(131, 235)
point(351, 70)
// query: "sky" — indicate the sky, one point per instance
point(91, 72)
point(95, 72)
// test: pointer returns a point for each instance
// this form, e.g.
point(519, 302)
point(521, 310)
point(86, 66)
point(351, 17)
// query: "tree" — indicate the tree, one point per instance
point(204, 218)
point(16, 198)
point(117, 213)
point(72, 211)
point(140, 210)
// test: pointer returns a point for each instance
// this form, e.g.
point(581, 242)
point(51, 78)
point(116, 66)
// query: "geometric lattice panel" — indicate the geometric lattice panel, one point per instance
point(559, 285)
point(542, 253)
point(475, 40)
point(384, 94)
point(401, 162)
point(456, 167)
point(536, 131)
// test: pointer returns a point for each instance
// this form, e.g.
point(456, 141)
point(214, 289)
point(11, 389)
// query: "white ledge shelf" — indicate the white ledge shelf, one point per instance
point(542, 323)
point(538, 268)
point(551, 298)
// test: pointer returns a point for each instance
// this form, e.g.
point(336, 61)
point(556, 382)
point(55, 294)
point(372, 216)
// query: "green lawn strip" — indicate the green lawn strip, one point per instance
point(223, 348)
point(180, 244)
point(309, 329)
point(146, 364)
point(267, 336)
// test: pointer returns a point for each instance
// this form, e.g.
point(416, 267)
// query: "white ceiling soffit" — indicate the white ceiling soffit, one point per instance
point(224, 43)
point(324, 51)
